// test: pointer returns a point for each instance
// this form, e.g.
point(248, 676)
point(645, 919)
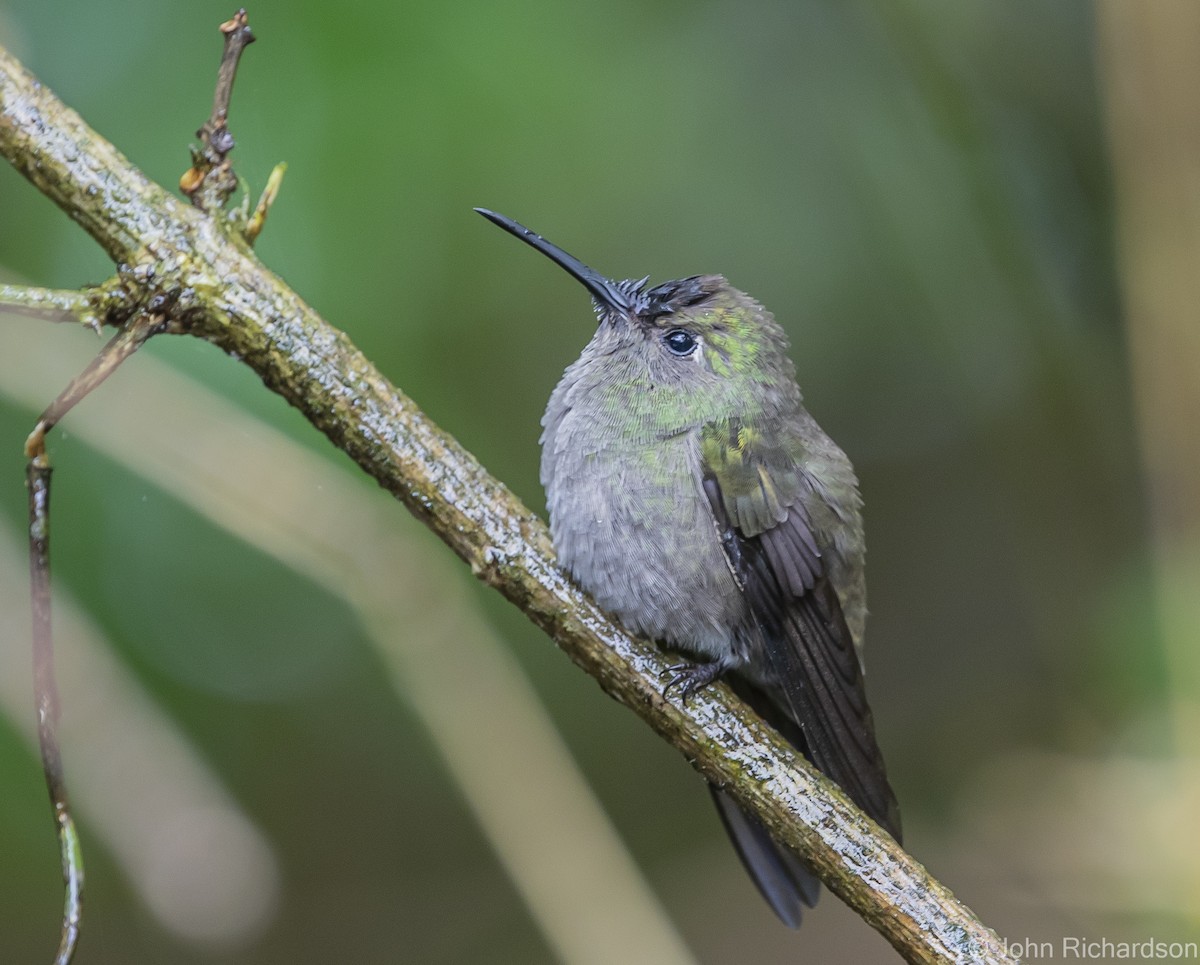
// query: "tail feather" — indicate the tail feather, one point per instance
point(782, 878)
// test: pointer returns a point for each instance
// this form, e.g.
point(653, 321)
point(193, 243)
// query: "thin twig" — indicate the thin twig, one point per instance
point(46, 701)
point(50, 304)
point(122, 345)
point(210, 181)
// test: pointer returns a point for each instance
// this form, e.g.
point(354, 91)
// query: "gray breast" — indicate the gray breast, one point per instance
point(633, 528)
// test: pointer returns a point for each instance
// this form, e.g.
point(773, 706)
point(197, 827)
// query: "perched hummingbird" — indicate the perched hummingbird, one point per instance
point(695, 498)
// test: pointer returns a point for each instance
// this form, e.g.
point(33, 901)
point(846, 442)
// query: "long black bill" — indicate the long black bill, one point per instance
point(604, 291)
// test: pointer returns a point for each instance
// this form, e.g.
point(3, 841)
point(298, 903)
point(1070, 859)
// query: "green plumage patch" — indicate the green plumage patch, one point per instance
point(755, 469)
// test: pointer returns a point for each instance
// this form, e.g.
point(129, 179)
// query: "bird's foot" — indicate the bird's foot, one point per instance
point(692, 677)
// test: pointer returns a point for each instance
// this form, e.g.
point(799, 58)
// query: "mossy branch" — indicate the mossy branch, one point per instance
point(169, 252)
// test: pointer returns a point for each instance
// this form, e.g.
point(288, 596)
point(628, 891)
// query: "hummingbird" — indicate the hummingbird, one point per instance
point(693, 496)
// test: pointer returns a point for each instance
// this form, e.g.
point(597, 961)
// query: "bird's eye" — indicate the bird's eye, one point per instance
point(679, 342)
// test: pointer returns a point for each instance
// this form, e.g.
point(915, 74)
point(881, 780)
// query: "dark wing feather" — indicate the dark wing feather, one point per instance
point(811, 656)
point(811, 688)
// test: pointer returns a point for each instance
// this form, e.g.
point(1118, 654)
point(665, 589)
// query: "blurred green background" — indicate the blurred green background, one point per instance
point(922, 192)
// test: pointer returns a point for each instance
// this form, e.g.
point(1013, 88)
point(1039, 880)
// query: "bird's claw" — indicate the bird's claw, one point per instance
point(692, 677)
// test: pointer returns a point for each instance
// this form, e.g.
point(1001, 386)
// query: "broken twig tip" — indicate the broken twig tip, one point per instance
point(239, 23)
point(210, 181)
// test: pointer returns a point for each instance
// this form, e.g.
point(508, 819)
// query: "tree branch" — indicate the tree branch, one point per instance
point(220, 292)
